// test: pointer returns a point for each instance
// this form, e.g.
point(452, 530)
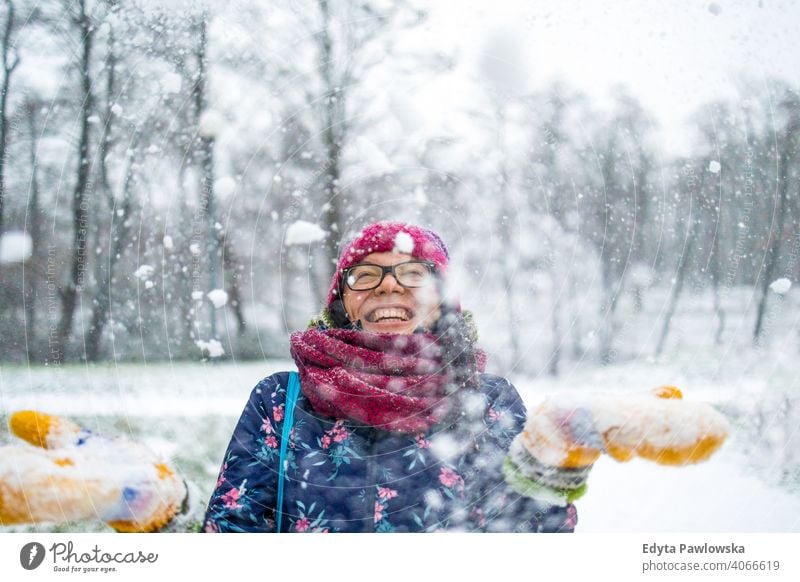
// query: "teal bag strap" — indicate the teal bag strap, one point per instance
point(292, 392)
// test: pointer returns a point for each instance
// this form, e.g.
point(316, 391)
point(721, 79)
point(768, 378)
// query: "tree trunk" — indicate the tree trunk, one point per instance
point(716, 276)
point(776, 234)
point(611, 296)
point(555, 356)
point(231, 266)
point(205, 155)
point(69, 292)
point(102, 298)
point(680, 276)
point(333, 142)
point(9, 64)
point(105, 269)
point(34, 227)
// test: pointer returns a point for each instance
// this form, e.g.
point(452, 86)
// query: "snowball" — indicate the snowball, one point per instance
point(714, 167)
point(781, 286)
point(225, 186)
point(371, 158)
point(303, 233)
point(213, 347)
point(218, 297)
point(144, 272)
point(403, 243)
point(168, 244)
point(171, 83)
point(15, 247)
point(445, 447)
point(419, 196)
point(211, 124)
point(197, 295)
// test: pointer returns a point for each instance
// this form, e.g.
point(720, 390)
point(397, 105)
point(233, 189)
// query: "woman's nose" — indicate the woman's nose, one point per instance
point(388, 285)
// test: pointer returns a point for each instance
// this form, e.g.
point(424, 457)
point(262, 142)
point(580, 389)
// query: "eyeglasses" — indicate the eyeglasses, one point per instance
point(409, 274)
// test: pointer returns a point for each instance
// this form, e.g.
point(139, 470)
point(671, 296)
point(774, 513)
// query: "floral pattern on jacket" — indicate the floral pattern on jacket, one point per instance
point(341, 477)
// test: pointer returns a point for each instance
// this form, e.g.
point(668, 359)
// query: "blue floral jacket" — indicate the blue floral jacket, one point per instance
point(343, 478)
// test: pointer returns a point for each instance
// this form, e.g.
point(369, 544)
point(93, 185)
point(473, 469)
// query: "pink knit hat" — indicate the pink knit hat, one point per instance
point(382, 237)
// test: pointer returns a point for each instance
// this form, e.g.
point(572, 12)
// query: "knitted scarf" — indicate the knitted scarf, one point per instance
point(397, 383)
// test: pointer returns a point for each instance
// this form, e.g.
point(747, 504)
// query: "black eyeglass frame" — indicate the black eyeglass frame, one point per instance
point(384, 270)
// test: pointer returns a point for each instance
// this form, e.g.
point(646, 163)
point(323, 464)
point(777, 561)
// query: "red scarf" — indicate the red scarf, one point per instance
point(393, 382)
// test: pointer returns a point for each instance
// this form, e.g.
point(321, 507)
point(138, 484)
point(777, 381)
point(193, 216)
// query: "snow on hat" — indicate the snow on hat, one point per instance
point(382, 237)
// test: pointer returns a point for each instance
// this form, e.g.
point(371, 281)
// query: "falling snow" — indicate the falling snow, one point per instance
point(218, 298)
point(781, 286)
point(15, 247)
point(303, 233)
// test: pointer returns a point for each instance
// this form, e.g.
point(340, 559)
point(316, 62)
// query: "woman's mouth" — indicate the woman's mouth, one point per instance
point(389, 314)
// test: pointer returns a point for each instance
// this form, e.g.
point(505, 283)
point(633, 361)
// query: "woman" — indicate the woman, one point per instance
point(396, 428)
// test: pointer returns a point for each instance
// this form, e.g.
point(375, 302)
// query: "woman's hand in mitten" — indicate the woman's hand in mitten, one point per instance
point(562, 440)
point(73, 474)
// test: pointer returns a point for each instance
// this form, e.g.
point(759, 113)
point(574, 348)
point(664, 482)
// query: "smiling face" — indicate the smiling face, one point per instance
point(390, 307)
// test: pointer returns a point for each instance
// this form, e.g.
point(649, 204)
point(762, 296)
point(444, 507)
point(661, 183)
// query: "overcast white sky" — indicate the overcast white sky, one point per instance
point(674, 55)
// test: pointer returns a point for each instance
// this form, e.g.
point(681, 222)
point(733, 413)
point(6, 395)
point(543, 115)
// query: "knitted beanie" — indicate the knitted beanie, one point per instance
point(382, 237)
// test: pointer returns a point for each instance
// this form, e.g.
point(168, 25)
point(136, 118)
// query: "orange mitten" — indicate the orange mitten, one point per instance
point(562, 440)
point(73, 474)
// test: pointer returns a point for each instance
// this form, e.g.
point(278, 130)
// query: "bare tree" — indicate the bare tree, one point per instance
point(693, 186)
point(105, 268)
point(84, 25)
point(33, 222)
point(10, 62)
point(787, 159)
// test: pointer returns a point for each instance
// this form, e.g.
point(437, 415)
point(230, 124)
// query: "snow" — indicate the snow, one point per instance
point(714, 167)
point(212, 346)
point(171, 82)
point(781, 286)
point(197, 295)
point(368, 159)
point(719, 495)
point(144, 272)
point(403, 243)
point(302, 232)
point(642, 275)
point(218, 297)
point(225, 186)
point(168, 244)
point(15, 247)
point(211, 124)
point(445, 447)
point(116, 109)
point(194, 248)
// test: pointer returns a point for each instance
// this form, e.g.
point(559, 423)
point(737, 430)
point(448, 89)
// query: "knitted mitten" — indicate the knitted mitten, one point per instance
point(73, 474)
point(551, 458)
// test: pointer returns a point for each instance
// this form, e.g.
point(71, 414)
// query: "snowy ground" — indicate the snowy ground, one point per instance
point(187, 411)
